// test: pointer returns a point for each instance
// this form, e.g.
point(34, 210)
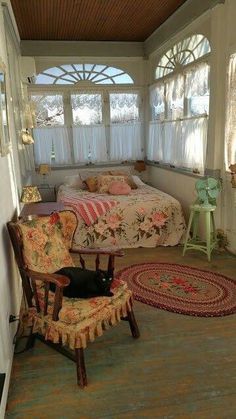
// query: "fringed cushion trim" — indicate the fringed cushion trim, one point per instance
point(78, 335)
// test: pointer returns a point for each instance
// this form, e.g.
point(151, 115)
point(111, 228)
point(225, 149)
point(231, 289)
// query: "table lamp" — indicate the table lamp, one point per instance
point(30, 194)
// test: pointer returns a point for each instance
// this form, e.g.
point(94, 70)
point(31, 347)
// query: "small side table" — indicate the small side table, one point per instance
point(47, 192)
point(44, 208)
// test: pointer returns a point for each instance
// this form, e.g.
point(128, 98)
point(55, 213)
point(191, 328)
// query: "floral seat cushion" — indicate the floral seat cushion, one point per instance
point(75, 310)
point(82, 320)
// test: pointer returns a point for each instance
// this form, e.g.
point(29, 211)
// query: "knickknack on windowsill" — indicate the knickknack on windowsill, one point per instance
point(27, 137)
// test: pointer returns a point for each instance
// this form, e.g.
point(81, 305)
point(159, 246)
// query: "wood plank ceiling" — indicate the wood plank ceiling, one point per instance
point(91, 20)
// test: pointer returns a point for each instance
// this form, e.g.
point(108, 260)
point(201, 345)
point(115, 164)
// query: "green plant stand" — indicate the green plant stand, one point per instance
point(193, 242)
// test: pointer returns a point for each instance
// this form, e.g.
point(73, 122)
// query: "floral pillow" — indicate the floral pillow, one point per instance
point(127, 176)
point(44, 248)
point(92, 183)
point(105, 181)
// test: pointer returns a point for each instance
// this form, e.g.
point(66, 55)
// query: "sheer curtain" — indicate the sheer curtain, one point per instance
point(197, 89)
point(126, 141)
point(89, 143)
point(52, 144)
point(179, 143)
point(231, 114)
point(175, 97)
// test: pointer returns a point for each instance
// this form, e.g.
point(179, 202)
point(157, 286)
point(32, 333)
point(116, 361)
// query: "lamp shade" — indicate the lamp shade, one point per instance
point(140, 165)
point(44, 169)
point(30, 194)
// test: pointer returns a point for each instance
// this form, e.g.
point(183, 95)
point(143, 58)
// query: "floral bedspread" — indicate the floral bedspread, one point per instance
point(146, 217)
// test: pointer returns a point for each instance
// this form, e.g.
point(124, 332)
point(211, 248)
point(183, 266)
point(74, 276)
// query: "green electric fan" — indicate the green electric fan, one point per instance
point(207, 189)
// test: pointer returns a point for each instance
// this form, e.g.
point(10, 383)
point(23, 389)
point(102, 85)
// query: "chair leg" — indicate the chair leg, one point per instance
point(30, 341)
point(80, 366)
point(133, 324)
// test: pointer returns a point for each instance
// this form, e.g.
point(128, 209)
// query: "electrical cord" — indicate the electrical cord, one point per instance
point(20, 335)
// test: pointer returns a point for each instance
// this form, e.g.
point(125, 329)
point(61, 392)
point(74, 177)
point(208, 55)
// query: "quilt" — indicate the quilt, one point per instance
point(147, 217)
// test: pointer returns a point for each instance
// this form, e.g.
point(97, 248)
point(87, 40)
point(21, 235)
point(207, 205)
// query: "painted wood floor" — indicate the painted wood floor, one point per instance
point(181, 367)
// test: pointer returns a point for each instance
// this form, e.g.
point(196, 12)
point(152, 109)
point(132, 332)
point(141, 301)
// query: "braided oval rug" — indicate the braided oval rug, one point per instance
point(181, 289)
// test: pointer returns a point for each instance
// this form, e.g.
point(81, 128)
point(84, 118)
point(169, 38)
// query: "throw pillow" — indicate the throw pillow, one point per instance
point(92, 183)
point(119, 188)
point(105, 181)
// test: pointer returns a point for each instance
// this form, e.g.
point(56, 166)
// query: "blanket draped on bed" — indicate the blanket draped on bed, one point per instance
point(146, 217)
point(90, 208)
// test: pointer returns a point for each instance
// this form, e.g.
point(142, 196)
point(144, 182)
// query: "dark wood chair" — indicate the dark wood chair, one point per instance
point(57, 320)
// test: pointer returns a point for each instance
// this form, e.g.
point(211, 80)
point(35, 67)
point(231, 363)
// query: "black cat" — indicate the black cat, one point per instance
point(85, 283)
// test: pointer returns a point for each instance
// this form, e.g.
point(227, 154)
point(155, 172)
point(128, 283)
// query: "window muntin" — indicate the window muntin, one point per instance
point(86, 108)
point(180, 106)
point(124, 107)
point(101, 121)
point(74, 73)
point(182, 54)
point(49, 110)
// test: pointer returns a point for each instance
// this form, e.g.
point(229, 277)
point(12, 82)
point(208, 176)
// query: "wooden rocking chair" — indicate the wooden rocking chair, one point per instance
point(41, 247)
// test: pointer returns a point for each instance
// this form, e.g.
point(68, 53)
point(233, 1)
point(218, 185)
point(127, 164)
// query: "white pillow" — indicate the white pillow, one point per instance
point(138, 181)
point(74, 181)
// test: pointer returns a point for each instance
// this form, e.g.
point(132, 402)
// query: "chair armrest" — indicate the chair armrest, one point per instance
point(103, 251)
point(60, 281)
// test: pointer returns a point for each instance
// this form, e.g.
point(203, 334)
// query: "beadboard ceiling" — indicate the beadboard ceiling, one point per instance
point(91, 20)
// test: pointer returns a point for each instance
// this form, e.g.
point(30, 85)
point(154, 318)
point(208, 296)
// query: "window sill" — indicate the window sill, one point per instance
point(90, 166)
point(175, 169)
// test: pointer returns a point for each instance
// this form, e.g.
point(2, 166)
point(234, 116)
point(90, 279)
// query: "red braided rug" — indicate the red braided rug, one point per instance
point(181, 289)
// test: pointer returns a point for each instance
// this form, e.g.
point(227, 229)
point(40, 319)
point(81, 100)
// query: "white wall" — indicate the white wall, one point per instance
point(10, 286)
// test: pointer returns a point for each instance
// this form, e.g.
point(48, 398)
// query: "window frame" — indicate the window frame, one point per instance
point(164, 80)
point(83, 88)
point(180, 70)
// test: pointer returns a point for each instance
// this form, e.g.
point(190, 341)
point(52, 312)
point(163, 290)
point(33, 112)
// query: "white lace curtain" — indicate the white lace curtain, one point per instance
point(179, 143)
point(126, 141)
point(86, 108)
point(231, 114)
point(197, 80)
point(124, 107)
point(89, 144)
point(53, 140)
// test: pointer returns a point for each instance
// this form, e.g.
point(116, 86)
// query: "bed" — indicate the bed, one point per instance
point(146, 217)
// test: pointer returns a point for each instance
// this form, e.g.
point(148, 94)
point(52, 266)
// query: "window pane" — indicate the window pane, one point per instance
point(86, 109)
point(157, 102)
point(43, 79)
point(175, 97)
point(111, 71)
point(123, 79)
point(49, 110)
point(124, 107)
point(197, 90)
point(55, 71)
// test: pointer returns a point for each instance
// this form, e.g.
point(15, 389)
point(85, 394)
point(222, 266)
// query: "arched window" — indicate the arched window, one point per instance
point(179, 102)
point(182, 54)
point(91, 73)
point(84, 118)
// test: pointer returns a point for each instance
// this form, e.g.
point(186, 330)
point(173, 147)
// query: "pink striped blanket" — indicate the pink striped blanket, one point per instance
point(90, 208)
